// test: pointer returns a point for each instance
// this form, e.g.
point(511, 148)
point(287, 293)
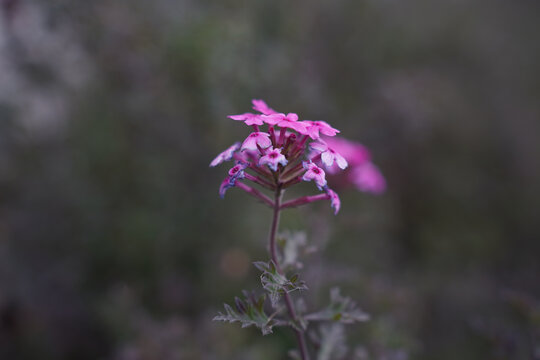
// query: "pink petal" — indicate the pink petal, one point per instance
point(341, 162)
point(327, 158)
point(256, 120)
point(367, 177)
point(292, 117)
point(250, 143)
point(335, 202)
point(320, 146)
point(262, 107)
point(241, 117)
point(264, 141)
point(272, 119)
point(326, 129)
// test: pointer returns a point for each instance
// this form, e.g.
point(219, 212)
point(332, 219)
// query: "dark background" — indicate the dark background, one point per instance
point(114, 243)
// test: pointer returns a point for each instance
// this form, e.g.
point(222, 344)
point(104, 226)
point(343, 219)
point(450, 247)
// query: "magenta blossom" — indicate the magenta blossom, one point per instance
point(328, 155)
point(248, 118)
point(316, 127)
point(255, 140)
point(334, 200)
point(355, 153)
point(289, 121)
point(226, 155)
point(260, 106)
point(314, 173)
point(237, 172)
point(290, 151)
point(225, 185)
point(368, 178)
point(272, 158)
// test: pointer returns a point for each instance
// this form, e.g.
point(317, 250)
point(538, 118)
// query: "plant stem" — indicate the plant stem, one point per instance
point(273, 254)
point(254, 192)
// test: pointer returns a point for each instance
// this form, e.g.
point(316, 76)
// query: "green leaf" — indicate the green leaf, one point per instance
point(341, 309)
point(249, 311)
point(277, 284)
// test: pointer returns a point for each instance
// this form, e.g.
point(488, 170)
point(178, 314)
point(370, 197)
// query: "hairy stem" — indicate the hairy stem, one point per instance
point(273, 254)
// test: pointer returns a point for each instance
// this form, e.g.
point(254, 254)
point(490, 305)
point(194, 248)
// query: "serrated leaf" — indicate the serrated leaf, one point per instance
point(341, 309)
point(277, 284)
point(249, 311)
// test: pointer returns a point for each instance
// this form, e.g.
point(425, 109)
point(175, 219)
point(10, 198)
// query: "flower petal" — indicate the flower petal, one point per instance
point(262, 107)
point(341, 161)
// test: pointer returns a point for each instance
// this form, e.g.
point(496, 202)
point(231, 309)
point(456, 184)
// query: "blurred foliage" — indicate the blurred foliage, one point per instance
point(115, 245)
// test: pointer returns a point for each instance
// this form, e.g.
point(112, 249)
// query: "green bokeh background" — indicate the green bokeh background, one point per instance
point(114, 243)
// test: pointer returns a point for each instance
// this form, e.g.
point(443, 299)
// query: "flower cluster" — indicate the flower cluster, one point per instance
point(289, 151)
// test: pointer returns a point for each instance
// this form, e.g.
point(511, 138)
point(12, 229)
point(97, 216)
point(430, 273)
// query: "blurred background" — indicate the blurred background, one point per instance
point(114, 243)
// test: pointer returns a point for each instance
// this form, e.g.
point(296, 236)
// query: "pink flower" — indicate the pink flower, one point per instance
point(247, 118)
point(261, 139)
point(260, 106)
point(355, 153)
point(314, 127)
point(225, 185)
point(367, 177)
point(226, 155)
point(236, 172)
point(334, 200)
point(314, 173)
point(289, 121)
point(272, 158)
point(328, 155)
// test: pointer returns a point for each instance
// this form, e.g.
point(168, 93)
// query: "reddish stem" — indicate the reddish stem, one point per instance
point(260, 181)
point(304, 200)
point(273, 253)
point(272, 135)
point(256, 193)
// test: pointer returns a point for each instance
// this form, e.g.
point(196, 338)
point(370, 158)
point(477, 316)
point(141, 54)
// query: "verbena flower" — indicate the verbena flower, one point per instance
point(355, 153)
point(272, 158)
point(328, 155)
point(225, 185)
point(260, 106)
point(367, 177)
point(315, 128)
point(334, 200)
point(284, 151)
point(315, 173)
point(362, 173)
point(289, 121)
point(256, 140)
point(237, 172)
point(225, 155)
point(248, 118)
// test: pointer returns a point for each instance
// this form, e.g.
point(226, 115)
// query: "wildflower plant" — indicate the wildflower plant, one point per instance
point(280, 152)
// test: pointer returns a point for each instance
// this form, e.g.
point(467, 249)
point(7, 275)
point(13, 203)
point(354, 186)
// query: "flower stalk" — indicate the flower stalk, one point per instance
point(289, 152)
point(300, 337)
